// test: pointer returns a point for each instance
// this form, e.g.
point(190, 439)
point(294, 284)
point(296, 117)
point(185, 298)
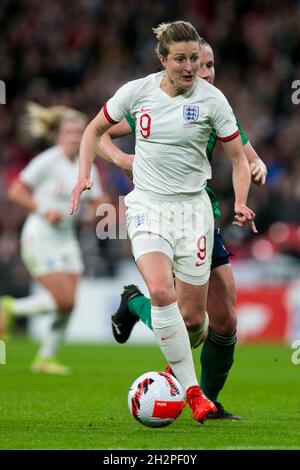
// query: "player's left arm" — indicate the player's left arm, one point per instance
point(257, 167)
point(241, 179)
point(110, 152)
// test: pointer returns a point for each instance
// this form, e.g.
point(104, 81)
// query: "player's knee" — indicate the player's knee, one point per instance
point(193, 318)
point(161, 294)
point(198, 335)
point(193, 324)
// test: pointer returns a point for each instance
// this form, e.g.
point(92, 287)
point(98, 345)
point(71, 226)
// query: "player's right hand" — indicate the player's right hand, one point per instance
point(53, 216)
point(82, 184)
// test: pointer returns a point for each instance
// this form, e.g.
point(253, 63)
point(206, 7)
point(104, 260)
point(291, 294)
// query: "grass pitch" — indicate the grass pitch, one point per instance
point(88, 409)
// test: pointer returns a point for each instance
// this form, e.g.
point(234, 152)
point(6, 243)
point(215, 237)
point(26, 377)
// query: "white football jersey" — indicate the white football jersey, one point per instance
point(51, 176)
point(172, 132)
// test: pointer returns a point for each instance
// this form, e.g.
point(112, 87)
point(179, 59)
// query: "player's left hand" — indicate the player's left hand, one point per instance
point(81, 185)
point(258, 172)
point(244, 216)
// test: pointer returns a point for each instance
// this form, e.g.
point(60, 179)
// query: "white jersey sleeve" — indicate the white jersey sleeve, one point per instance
point(36, 171)
point(224, 120)
point(119, 105)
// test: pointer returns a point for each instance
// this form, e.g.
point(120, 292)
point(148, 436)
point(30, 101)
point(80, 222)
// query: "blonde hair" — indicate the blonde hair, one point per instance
point(177, 31)
point(44, 123)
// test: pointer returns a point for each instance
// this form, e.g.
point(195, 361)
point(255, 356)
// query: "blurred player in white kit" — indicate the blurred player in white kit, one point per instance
point(49, 247)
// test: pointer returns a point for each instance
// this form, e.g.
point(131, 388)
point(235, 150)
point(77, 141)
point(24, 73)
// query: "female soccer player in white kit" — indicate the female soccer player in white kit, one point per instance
point(218, 350)
point(49, 247)
point(175, 112)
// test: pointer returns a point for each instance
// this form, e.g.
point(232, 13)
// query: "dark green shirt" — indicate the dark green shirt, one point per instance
point(212, 141)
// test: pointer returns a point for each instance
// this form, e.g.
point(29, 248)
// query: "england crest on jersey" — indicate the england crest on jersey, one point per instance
point(190, 112)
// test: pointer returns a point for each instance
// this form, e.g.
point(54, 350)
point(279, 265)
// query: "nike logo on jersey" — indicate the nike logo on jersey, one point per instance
point(144, 110)
point(198, 264)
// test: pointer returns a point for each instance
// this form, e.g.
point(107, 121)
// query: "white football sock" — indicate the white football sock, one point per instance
point(172, 337)
point(35, 304)
point(55, 336)
point(198, 336)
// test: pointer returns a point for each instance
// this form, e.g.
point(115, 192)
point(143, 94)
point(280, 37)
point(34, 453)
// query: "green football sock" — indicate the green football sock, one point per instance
point(140, 306)
point(216, 361)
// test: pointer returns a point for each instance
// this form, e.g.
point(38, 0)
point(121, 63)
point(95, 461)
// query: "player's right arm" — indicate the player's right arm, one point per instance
point(21, 194)
point(257, 167)
point(88, 150)
point(112, 112)
point(107, 150)
point(21, 191)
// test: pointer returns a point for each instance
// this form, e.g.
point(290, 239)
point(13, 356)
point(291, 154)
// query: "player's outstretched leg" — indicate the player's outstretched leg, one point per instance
point(124, 320)
point(45, 361)
point(10, 308)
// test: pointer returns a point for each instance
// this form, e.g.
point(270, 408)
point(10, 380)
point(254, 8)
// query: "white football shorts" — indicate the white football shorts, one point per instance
point(182, 228)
